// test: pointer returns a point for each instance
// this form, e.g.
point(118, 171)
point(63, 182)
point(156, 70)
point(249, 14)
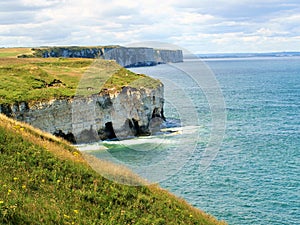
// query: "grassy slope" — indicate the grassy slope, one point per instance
point(34, 79)
point(46, 181)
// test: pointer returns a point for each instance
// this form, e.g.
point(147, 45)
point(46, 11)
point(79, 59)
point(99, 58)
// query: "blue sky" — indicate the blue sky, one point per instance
point(201, 26)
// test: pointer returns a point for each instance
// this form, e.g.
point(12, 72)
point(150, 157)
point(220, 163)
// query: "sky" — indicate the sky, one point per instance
point(200, 26)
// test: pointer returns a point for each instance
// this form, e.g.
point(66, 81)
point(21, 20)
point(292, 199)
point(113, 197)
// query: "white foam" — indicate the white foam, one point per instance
point(98, 146)
point(161, 139)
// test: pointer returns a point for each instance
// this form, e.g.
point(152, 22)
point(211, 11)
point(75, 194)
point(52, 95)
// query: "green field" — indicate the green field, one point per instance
point(35, 79)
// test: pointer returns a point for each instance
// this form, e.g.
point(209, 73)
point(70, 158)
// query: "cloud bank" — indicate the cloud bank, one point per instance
point(200, 26)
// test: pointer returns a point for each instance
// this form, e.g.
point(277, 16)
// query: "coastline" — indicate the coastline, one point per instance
point(76, 187)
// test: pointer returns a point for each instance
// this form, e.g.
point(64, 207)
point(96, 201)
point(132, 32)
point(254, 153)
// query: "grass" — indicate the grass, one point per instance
point(30, 79)
point(124, 77)
point(44, 180)
point(36, 79)
point(13, 52)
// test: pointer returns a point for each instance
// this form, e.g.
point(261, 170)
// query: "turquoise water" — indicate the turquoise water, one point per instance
point(255, 178)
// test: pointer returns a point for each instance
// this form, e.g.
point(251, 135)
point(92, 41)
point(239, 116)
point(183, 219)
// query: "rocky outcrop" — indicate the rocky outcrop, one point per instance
point(125, 56)
point(130, 112)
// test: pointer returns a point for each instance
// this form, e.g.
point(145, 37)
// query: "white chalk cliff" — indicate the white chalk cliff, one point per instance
point(130, 112)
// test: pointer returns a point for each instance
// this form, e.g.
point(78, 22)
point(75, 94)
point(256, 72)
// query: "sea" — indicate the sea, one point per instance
point(230, 144)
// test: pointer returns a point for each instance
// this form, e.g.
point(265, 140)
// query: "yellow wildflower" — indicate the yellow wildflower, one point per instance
point(1, 202)
point(17, 127)
point(75, 211)
point(15, 178)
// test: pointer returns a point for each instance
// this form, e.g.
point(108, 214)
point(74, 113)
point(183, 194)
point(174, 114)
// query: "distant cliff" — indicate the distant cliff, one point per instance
point(133, 57)
point(126, 57)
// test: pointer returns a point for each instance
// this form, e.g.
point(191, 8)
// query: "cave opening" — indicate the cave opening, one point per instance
point(109, 130)
point(158, 113)
point(155, 113)
point(130, 124)
point(69, 136)
point(136, 127)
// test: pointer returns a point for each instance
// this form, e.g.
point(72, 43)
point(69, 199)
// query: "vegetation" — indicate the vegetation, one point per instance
point(44, 180)
point(35, 79)
point(124, 77)
point(32, 80)
point(14, 52)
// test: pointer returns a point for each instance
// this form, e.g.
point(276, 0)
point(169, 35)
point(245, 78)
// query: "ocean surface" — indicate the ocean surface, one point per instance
point(253, 175)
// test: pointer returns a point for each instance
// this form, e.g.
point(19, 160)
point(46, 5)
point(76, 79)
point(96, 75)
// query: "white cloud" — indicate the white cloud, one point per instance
point(201, 26)
point(39, 3)
point(268, 32)
point(186, 18)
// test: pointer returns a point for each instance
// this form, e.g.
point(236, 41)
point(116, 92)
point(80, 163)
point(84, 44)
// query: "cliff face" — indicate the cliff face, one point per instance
point(128, 113)
point(126, 57)
point(173, 56)
point(133, 57)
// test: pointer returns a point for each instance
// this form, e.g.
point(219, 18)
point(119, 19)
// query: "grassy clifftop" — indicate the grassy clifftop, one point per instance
point(44, 180)
point(34, 79)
